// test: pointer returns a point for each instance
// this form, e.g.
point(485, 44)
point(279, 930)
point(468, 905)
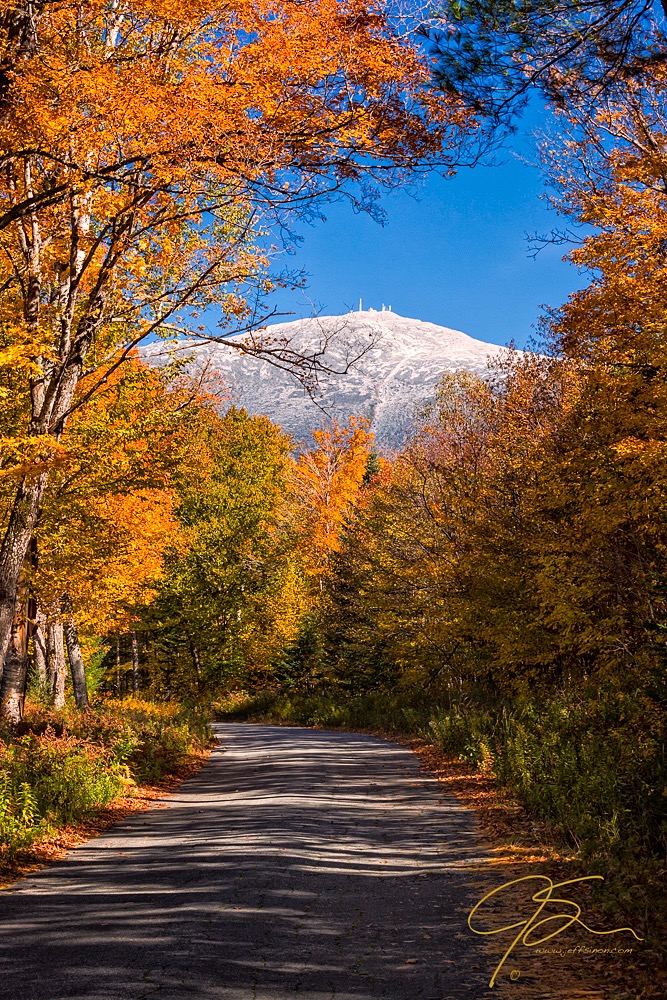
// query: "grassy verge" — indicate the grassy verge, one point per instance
point(63, 768)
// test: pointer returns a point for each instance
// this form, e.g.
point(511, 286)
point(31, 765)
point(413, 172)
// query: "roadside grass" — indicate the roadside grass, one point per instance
point(63, 767)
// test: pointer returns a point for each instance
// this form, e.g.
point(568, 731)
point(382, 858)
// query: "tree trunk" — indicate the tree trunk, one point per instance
point(135, 661)
point(40, 650)
point(15, 545)
point(196, 662)
point(51, 400)
point(56, 664)
point(118, 682)
point(74, 655)
point(14, 677)
point(18, 23)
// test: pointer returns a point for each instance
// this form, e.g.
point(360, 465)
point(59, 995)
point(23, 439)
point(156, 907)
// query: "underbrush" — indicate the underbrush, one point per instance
point(592, 765)
point(594, 769)
point(378, 711)
point(61, 767)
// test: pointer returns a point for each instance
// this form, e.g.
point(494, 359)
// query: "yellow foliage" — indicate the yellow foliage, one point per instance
point(327, 482)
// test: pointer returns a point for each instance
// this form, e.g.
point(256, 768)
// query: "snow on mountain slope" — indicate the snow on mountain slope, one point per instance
point(403, 360)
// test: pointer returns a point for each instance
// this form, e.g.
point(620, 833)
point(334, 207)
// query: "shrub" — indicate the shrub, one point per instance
point(49, 780)
point(62, 766)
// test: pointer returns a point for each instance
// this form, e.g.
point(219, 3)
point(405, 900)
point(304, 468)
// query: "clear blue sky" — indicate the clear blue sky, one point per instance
point(456, 255)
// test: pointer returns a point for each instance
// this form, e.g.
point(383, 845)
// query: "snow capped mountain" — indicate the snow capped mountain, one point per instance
point(399, 362)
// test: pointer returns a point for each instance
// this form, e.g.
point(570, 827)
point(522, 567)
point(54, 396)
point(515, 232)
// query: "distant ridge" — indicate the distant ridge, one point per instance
point(396, 375)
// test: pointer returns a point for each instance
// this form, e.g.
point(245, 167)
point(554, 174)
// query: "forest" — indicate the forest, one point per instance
point(500, 584)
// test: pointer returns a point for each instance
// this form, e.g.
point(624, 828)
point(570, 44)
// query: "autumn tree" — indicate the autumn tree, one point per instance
point(610, 175)
point(144, 151)
point(228, 599)
point(328, 478)
point(397, 591)
point(435, 581)
point(107, 515)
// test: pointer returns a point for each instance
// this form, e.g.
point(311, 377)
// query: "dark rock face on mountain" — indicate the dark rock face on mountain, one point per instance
point(399, 362)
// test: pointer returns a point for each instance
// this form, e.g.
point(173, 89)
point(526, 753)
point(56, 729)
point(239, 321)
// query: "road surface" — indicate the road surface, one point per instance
point(296, 864)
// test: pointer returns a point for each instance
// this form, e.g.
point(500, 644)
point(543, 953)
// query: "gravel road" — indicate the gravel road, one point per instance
point(296, 864)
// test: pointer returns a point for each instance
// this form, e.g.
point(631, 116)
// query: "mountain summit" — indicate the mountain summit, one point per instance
point(399, 362)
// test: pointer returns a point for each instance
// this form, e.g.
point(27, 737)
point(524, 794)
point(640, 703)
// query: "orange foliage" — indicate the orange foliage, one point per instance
point(108, 515)
point(328, 479)
point(108, 556)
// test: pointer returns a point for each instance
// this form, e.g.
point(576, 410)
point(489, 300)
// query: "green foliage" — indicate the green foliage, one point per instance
point(19, 821)
point(95, 669)
point(65, 766)
point(587, 766)
point(230, 592)
point(49, 780)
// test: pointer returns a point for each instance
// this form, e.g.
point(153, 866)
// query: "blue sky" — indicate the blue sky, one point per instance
point(456, 254)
